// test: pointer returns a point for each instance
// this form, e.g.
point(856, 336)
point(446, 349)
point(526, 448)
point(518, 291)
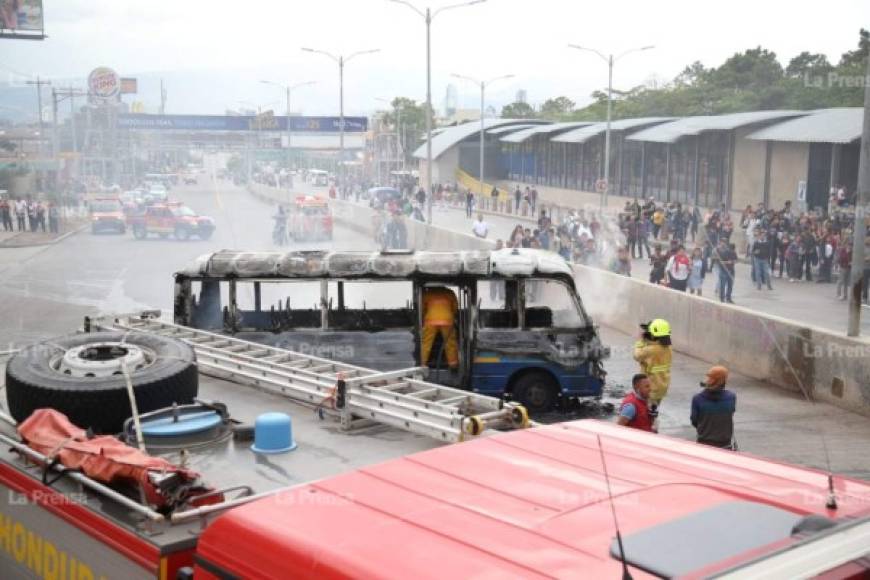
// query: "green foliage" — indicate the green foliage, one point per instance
point(413, 121)
point(747, 81)
point(557, 108)
point(518, 110)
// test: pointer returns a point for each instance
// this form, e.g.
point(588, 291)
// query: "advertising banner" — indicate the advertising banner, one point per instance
point(21, 18)
point(241, 123)
point(103, 84)
point(129, 86)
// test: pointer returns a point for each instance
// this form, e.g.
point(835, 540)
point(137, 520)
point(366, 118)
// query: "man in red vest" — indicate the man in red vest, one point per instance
point(634, 409)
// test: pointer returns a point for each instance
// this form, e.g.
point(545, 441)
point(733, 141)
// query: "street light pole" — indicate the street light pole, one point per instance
point(341, 60)
point(341, 171)
point(609, 59)
point(483, 85)
point(289, 91)
point(428, 16)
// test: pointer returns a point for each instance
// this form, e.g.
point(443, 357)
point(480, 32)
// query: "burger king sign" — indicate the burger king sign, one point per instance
point(103, 84)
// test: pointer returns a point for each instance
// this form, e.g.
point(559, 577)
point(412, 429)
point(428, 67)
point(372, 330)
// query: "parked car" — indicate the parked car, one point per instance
point(190, 180)
point(171, 219)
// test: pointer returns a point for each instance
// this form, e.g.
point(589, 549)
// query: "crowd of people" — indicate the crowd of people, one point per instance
point(28, 215)
point(683, 244)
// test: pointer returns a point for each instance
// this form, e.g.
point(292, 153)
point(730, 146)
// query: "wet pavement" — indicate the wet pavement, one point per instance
point(45, 292)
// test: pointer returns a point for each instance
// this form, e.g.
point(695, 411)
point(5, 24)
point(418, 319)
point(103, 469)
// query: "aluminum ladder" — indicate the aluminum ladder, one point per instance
point(400, 398)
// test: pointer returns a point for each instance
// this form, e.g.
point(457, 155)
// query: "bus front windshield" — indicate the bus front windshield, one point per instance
point(551, 303)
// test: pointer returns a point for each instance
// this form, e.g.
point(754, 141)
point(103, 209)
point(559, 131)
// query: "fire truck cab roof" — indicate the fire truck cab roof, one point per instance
point(533, 504)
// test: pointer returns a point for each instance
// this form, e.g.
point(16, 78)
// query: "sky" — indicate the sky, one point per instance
point(213, 53)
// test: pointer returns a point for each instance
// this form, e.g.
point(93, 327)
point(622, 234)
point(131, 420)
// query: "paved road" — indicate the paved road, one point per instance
point(46, 292)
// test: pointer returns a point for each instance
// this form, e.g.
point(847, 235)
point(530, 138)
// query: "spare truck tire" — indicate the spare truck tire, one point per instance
point(80, 376)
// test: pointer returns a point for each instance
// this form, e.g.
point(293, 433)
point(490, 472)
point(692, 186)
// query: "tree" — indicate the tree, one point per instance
point(557, 108)
point(808, 64)
point(858, 56)
point(518, 110)
point(408, 118)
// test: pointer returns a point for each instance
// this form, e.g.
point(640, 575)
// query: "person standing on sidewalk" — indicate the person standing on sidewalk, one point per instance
point(697, 272)
point(725, 259)
point(53, 218)
point(761, 260)
point(826, 258)
point(844, 264)
point(678, 269)
point(5, 215)
point(20, 212)
point(518, 195)
point(657, 262)
point(533, 199)
point(469, 203)
point(713, 410)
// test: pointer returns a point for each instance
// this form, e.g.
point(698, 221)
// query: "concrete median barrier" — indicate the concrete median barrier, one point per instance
point(785, 354)
point(804, 359)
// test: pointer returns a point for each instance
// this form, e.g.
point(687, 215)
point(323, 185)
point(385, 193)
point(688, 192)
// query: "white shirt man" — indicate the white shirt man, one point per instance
point(480, 227)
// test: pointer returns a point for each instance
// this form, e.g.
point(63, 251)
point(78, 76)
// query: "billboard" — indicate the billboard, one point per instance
point(241, 123)
point(129, 86)
point(103, 84)
point(21, 19)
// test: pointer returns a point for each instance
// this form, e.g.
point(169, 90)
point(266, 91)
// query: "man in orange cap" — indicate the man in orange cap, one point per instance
point(713, 410)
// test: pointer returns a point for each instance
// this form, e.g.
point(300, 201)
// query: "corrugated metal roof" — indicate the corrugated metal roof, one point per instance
point(583, 134)
point(842, 125)
point(453, 135)
point(511, 129)
point(521, 136)
point(671, 132)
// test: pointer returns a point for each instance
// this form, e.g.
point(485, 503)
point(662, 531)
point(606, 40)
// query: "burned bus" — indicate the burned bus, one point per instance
point(520, 328)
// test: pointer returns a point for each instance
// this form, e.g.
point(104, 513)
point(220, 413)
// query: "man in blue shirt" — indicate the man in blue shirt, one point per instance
point(713, 410)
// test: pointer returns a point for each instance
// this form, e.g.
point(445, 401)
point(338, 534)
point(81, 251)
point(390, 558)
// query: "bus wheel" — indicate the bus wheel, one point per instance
point(537, 391)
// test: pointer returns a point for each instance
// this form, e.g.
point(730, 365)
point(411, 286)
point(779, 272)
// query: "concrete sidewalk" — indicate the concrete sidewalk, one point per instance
point(17, 239)
point(803, 302)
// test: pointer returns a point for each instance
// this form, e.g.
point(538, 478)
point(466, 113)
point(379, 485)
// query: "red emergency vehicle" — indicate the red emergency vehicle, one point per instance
point(384, 503)
point(309, 219)
point(107, 213)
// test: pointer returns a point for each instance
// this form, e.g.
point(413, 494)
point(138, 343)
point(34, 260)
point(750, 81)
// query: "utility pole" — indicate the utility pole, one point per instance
point(428, 16)
point(862, 210)
point(162, 98)
point(39, 84)
point(483, 85)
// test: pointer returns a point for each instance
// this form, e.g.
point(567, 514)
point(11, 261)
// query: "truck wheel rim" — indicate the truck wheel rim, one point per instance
point(102, 359)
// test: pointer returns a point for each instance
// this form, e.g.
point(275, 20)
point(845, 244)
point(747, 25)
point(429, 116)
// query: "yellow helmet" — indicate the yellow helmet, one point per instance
point(659, 328)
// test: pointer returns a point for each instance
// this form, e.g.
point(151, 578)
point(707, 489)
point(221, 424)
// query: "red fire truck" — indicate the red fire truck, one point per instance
point(400, 497)
point(309, 219)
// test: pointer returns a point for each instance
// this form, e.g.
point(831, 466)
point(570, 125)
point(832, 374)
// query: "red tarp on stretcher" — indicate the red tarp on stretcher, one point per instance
point(104, 458)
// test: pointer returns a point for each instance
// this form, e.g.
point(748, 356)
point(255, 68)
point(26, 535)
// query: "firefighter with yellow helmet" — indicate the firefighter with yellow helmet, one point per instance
point(653, 352)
